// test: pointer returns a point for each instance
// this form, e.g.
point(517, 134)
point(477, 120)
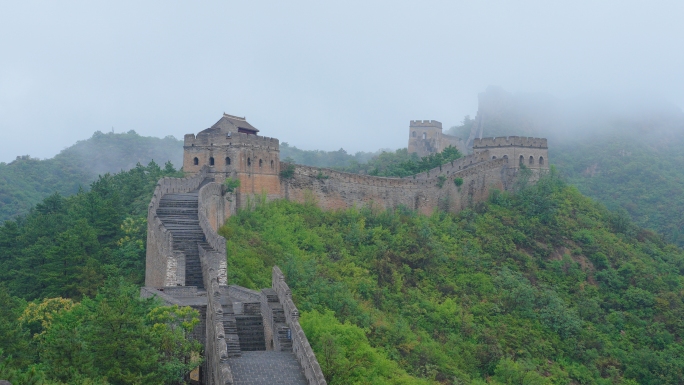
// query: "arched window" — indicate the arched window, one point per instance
point(541, 160)
point(211, 161)
point(195, 161)
point(531, 160)
point(271, 164)
point(261, 163)
point(424, 135)
point(227, 161)
point(506, 157)
point(249, 162)
point(494, 157)
point(522, 160)
point(414, 134)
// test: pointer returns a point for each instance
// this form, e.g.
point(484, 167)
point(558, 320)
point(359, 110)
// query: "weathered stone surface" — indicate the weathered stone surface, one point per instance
point(426, 137)
point(267, 368)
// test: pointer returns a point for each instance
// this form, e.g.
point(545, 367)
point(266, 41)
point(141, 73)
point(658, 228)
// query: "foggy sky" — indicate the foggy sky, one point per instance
point(314, 74)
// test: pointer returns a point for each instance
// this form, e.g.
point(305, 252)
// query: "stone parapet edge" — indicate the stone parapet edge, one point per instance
point(217, 242)
point(300, 344)
point(216, 349)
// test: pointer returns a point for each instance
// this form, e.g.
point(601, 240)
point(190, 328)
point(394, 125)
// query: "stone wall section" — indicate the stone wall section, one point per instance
point(425, 192)
point(214, 208)
point(300, 344)
point(163, 265)
point(215, 349)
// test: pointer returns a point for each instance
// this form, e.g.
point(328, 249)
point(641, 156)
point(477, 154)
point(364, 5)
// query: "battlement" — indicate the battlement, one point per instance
point(218, 138)
point(511, 141)
point(426, 123)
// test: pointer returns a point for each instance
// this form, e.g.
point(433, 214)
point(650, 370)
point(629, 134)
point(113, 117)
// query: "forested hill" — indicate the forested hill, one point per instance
point(544, 286)
point(26, 181)
point(81, 260)
point(627, 155)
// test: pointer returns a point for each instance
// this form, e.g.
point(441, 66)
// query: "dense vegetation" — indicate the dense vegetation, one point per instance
point(541, 287)
point(624, 153)
point(640, 176)
point(77, 330)
point(318, 158)
point(383, 163)
point(628, 167)
point(26, 181)
point(400, 163)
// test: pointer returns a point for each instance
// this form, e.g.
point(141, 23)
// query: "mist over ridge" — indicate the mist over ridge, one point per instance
point(318, 76)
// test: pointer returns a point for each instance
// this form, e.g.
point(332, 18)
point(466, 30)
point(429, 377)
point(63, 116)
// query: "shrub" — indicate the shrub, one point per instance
point(288, 171)
point(440, 181)
point(231, 184)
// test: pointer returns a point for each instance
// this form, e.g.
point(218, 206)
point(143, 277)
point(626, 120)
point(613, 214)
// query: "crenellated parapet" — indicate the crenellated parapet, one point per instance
point(426, 123)
point(426, 137)
point(232, 149)
point(218, 138)
point(510, 141)
point(520, 150)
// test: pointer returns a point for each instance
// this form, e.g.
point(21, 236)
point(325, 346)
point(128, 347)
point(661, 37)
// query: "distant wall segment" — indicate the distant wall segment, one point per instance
point(450, 187)
point(255, 161)
point(531, 152)
point(426, 137)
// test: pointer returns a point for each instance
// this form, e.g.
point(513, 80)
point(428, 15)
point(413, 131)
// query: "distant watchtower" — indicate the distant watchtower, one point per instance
point(232, 149)
point(518, 150)
point(426, 137)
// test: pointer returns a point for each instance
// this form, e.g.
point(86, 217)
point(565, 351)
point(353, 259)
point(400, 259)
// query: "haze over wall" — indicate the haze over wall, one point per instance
point(316, 75)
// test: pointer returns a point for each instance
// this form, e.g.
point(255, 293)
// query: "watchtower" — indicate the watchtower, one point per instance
point(426, 137)
point(519, 150)
point(232, 149)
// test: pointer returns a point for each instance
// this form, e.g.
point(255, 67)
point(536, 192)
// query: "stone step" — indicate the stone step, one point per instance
point(250, 330)
point(179, 214)
point(230, 329)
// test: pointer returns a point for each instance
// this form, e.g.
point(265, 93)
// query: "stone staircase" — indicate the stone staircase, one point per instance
point(250, 327)
point(243, 324)
point(256, 365)
point(178, 213)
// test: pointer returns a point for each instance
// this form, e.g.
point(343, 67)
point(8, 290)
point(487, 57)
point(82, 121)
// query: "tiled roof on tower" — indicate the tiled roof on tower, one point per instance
point(239, 122)
point(232, 124)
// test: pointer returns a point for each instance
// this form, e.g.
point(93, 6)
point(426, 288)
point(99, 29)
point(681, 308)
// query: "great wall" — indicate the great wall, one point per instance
point(254, 337)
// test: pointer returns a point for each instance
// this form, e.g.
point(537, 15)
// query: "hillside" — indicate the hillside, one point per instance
point(80, 260)
point(623, 153)
point(26, 181)
point(540, 287)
